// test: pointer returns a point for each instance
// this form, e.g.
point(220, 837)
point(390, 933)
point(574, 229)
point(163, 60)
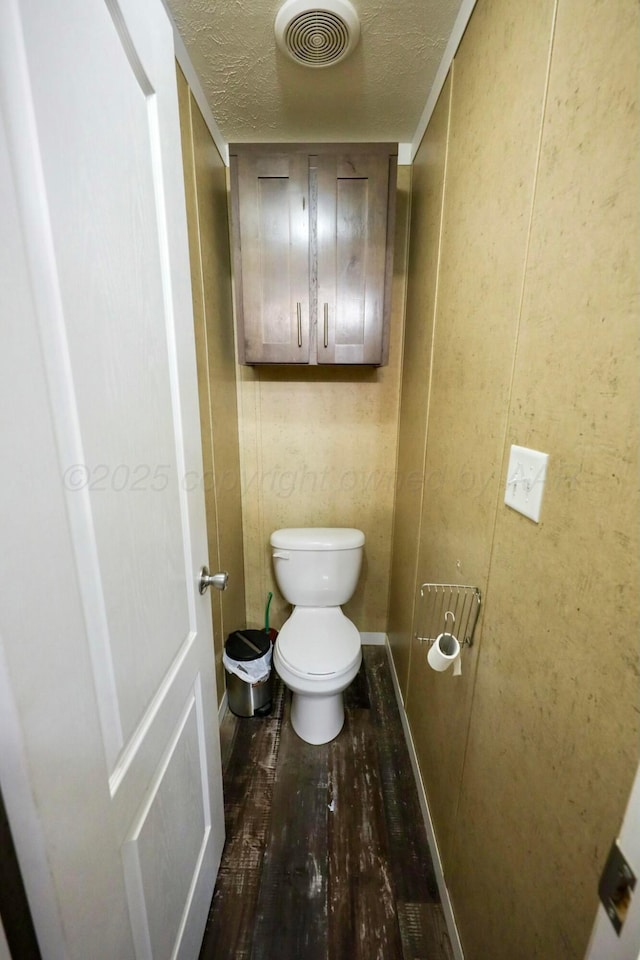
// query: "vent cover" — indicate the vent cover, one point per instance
point(317, 36)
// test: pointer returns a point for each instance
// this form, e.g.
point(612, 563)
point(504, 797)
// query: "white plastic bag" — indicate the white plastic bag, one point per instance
point(253, 671)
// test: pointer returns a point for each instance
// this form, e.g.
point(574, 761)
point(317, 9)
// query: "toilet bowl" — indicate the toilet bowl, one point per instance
point(317, 653)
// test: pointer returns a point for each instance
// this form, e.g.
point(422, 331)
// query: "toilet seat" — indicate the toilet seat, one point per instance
point(318, 642)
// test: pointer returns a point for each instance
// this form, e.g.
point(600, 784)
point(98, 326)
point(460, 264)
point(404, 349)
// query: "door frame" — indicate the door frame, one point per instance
point(605, 944)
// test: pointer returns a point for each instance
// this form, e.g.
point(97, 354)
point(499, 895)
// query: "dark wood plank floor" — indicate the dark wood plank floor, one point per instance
point(326, 856)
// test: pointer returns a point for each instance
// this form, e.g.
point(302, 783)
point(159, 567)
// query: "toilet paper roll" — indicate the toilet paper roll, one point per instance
point(443, 652)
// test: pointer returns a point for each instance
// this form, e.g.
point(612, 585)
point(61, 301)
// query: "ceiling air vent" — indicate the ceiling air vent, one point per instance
point(317, 36)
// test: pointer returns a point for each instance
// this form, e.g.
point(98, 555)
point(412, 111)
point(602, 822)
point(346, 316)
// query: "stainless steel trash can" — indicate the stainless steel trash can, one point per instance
point(247, 698)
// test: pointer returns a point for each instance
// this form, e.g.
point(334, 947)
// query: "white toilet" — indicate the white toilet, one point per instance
point(317, 652)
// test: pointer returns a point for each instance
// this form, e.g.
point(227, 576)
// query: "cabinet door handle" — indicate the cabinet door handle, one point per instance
point(326, 325)
point(299, 312)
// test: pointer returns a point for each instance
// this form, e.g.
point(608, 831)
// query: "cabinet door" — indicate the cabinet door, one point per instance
point(272, 256)
point(352, 226)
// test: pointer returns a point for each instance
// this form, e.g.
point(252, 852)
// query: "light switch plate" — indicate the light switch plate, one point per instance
point(526, 476)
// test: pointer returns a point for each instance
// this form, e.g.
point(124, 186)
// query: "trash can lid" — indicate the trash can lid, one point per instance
point(246, 645)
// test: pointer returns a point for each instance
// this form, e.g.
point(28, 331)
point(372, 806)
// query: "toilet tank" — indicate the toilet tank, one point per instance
point(317, 566)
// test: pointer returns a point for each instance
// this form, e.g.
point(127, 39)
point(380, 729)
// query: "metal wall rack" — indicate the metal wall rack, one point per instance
point(447, 608)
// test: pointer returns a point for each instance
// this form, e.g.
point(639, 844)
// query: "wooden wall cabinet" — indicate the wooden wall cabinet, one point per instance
point(313, 251)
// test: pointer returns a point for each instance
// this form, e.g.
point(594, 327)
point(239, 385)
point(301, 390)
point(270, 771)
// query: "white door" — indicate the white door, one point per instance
point(606, 944)
point(109, 748)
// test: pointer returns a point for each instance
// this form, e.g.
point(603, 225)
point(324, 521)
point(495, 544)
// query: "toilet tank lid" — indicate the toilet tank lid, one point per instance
point(317, 538)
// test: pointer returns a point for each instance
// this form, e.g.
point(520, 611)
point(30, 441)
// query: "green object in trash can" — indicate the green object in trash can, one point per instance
point(271, 633)
point(248, 699)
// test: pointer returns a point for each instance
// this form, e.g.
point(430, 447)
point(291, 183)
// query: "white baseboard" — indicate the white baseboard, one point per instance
point(447, 906)
point(375, 639)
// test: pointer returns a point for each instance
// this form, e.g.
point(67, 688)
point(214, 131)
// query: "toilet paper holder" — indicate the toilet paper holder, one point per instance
point(448, 608)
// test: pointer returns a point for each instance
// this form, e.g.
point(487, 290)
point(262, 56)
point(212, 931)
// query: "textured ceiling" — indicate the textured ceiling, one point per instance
point(257, 93)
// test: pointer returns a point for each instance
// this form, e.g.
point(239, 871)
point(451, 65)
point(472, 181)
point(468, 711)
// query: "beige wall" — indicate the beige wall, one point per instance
point(422, 273)
point(529, 756)
point(206, 194)
point(318, 448)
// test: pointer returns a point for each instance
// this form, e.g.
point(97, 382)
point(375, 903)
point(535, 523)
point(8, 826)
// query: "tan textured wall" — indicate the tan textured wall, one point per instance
point(496, 111)
point(529, 756)
point(319, 449)
point(206, 194)
point(422, 272)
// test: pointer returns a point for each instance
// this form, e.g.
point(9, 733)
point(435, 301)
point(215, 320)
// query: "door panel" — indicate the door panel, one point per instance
point(119, 352)
point(122, 724)
point(160, 865)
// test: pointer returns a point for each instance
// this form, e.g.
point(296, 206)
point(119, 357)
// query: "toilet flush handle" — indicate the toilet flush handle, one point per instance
point(281, 554)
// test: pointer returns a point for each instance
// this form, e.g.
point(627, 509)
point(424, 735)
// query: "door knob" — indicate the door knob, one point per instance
point(218, 580)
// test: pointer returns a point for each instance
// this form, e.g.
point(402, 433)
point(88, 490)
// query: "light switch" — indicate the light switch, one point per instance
point(525, 481)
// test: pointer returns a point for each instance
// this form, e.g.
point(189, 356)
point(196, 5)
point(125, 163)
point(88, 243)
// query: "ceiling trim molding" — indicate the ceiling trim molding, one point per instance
point(195, 86)
point(405, 156)
point(459, 27)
